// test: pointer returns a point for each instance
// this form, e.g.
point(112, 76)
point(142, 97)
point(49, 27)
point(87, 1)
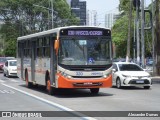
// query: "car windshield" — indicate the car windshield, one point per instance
point(84, 51)
point(12, 63)
point(129, 67)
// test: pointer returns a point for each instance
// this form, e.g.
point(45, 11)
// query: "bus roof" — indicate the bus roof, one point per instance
point(55, 30)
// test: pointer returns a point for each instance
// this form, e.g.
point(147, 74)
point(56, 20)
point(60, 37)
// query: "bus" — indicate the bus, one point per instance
point(66, 57)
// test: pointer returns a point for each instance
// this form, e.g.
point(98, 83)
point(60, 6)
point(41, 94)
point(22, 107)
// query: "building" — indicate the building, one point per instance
point(91, 18)
point(78, 8)
point(111, 17)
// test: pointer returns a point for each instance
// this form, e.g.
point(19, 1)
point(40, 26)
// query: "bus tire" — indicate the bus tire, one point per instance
point(28, 84)
point(49, 88)
point(94, 90)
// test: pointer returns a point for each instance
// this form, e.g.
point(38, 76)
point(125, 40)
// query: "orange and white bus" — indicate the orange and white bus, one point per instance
point(66, 57)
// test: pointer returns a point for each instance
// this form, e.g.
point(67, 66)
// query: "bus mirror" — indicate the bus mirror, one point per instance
point(56, 46)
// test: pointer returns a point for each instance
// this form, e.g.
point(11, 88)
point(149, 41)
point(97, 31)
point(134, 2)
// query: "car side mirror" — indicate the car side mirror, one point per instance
point(114, 70)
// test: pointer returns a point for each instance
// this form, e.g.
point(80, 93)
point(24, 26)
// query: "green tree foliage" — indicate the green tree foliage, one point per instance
point(124, 5)
point(120, 32)
point(119, 36)
point(22, 17)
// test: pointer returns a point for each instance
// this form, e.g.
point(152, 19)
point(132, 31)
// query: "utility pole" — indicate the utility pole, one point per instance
point(52, 13)
point(129, 32)
point(137, 32)
point(134, 41)
point(153, 42)
point(142, 35)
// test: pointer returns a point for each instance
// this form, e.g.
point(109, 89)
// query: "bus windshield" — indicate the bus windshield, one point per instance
point(85, 51)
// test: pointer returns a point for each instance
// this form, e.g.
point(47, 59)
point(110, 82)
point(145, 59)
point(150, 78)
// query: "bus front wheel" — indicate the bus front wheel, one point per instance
point(94, 90)
point(49, 88)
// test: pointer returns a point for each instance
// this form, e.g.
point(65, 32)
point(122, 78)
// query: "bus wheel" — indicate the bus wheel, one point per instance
point(50, 89)
point(94, 90)
point(28, 84)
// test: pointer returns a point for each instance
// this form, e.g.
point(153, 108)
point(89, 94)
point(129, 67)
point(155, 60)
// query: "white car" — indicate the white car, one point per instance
point(10, 68)
point(130, 74)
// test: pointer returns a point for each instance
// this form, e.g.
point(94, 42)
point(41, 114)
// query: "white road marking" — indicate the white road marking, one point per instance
point(7, 91)
point(13, 80)
point(2, 81)
point(51, 103)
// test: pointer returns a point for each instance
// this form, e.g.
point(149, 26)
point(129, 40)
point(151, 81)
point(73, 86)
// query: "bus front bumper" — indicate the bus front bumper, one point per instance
point(64, 82)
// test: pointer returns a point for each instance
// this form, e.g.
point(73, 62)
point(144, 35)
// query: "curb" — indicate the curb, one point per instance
point(155, 80)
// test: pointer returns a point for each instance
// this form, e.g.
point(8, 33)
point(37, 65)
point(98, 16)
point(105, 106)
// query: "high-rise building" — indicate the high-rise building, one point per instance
point(110, 19)
point(92, 18)
point(78, 8)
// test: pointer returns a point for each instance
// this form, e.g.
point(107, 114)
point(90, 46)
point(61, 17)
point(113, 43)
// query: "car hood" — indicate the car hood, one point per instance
point(134, 73)
point(13, 67)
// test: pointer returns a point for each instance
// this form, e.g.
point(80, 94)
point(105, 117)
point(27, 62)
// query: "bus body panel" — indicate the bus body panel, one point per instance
point(42, 66)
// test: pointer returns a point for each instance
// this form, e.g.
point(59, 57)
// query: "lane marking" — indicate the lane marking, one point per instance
point(1, 81)
point(13, 80)
point(51, 103)
point(7, 91)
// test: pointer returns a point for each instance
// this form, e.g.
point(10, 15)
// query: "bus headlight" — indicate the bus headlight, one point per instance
point(66, 75)
point(69, 77)
point(107, 75)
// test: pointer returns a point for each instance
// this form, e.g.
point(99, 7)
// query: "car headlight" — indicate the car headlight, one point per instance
point(126, 75)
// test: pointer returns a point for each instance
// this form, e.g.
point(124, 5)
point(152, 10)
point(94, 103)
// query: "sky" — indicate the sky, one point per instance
point(102, 7)
point(105, 6)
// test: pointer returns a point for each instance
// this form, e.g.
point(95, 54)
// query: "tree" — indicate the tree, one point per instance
point(129, 32)
point(120, 32)
point(157, 38)
point(22, 17)
point(119, 35)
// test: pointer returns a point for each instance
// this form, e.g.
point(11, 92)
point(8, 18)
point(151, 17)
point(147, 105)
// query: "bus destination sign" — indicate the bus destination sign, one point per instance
point(85, 32)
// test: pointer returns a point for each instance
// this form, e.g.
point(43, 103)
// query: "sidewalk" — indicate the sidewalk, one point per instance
point(155, 79)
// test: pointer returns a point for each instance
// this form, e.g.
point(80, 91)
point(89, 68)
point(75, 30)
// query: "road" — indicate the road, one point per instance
point(16, 97)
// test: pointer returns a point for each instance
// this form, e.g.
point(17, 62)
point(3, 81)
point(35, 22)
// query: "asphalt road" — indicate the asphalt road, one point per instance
point(14, 96)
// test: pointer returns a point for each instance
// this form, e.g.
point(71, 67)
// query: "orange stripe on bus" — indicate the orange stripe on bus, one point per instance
point(68, 83)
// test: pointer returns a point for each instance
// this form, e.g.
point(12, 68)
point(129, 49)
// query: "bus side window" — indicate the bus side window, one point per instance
point(46, 47)
point(39, 47)
point(19, 49)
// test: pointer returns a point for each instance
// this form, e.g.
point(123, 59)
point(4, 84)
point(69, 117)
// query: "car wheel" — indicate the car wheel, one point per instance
point(7, 74)
point(94, 90)
point(4, 74)
point(118, 83)
point(146, 87)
